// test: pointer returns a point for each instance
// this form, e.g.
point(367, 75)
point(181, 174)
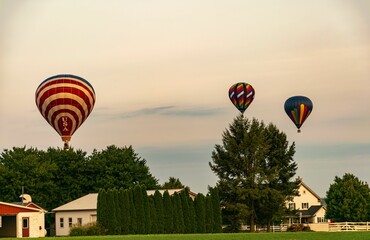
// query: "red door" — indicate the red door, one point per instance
point(25, 227)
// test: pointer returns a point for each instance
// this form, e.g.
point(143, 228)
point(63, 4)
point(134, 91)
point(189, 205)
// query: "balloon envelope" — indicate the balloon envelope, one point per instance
point(65, 101)
point(241, 95)
point(298, 109)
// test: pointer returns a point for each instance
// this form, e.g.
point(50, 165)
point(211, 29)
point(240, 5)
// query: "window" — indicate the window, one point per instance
point(291, 206)
point(61, 222)
point(305, 205)
point(70, 222)
point(25, 223)
point(321, 220)
point(79, 221)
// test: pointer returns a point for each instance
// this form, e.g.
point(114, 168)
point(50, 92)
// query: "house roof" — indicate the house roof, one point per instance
point(311, 211)
point(87, 202)
point(21, 208)
point(310, 190)
point(30, 204)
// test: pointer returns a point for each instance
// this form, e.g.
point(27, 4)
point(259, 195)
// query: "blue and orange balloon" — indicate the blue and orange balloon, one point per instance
point(241, 95)
point(298, 109)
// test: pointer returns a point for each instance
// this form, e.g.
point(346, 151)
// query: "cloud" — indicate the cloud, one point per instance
point(173, 110)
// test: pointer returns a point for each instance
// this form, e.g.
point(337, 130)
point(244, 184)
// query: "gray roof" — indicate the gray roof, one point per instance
point(311, 211)
point(87, 202)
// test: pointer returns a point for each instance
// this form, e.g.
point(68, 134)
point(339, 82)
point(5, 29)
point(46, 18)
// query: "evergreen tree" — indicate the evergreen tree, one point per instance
point(124, 204)
point(348, 199)
point(184, 195)
point(102, 209)
point(199, 206)
point(209, 219)
point(175, 215)
point(153, 216)
point(179, 213)
point(253, 160)
point(139, 207)
point(148, 222)
point(118, 212)
point(172, 183)
point(112, 213)
point(132, 212)
point(216, 209)
point(158, 203)
point(192, 216)
point(167, 213)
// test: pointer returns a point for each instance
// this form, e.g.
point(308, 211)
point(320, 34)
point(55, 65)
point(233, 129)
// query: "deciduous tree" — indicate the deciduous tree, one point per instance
point(348, 199)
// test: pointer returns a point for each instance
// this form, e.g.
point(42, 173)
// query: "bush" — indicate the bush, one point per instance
point(90, 229)
point(298, 228)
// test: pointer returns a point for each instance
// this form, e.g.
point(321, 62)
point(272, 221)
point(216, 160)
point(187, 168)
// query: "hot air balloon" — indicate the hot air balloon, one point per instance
point(298, 109)
point(65, 101)
point(241, 95)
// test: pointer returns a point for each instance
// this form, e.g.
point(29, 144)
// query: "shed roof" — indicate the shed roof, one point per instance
point(87, 202)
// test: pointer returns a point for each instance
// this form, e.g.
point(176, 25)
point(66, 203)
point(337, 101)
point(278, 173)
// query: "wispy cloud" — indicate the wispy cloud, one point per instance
point(173, 110)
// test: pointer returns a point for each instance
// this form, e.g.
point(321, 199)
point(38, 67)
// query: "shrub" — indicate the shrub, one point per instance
point(298, 228)
point(90, 229)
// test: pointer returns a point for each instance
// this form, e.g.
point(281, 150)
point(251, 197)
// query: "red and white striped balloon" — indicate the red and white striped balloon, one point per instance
point(65, 101)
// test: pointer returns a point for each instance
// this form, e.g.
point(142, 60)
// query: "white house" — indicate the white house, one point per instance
point(307, 205)
point(83, 210)
point(22, 219)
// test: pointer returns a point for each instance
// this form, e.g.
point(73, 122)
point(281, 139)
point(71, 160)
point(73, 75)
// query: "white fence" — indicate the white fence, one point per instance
point(349, 226)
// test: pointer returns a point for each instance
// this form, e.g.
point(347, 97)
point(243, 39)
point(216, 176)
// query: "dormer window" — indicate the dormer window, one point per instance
point(305, 205)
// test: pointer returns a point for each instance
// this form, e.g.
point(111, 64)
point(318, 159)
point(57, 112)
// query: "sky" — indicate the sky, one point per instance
point(161, 71)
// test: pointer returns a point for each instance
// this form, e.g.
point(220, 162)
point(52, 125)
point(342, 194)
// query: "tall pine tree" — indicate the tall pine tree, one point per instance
point(158, 203)
point(167, 213)
point(252, 161)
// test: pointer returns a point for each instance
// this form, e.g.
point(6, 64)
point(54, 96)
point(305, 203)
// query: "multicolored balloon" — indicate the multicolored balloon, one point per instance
point(65, 101)
point(298, 109)
point(241, 95)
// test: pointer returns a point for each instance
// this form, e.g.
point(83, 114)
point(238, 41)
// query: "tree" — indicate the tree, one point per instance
point(209, 219)
point(200, 211)
point(56, 176)
point(216, 209)
point(167, 213)
point(178, 213)
point(118, 167)
point(173, 183)
point(132, 210)
point(153, 216)
point(124, 203)
point(158, 203)
point(139, 207)
point(348, 199)
point(102, 209)
point(253, 160)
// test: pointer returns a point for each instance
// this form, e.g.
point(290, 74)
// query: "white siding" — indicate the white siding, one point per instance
point(87, 217)
point(305, 196)
point(36, 221)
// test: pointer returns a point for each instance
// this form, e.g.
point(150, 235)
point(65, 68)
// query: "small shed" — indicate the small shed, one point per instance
point(22, 219)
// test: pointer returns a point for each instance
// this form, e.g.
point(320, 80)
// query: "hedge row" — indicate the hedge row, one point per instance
point(132, 211)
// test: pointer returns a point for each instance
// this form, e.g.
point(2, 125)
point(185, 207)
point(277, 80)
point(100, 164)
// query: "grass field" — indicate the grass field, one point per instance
point(231, 236)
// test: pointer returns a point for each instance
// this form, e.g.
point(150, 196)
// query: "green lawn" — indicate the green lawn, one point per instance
point(233, 236)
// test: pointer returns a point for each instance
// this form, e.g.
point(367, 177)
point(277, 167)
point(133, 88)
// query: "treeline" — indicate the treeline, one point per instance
point(56, 176)
point(132, 211)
